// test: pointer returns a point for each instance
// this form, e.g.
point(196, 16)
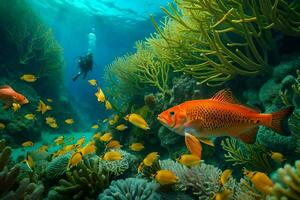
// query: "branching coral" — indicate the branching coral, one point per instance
point(131, 189)
point(282, 15)
point(87, 179)
point(221, 39)
point(288, 186)
point(216, 40)
point(252, 157)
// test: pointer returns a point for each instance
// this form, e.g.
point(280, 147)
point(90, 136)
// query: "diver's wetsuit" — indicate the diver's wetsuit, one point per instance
point(85, 64)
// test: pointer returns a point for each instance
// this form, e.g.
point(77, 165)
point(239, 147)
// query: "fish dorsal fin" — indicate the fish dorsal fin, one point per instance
point(225, 95)
point(4, 87)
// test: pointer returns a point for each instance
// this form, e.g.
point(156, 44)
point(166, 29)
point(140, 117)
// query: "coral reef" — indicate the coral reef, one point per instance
point(288, 183)
point(131, 189)
point(202, 180)
point(87, 180)
point(118, 167)
point(57, 167)
point(252, 157)
point(10, 187)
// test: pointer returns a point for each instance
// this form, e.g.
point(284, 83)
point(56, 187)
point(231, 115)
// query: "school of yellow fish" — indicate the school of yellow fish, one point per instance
point(78, 150)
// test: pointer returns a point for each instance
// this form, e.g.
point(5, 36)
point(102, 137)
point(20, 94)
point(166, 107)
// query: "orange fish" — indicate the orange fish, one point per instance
point(220, 115)
point(9, 96)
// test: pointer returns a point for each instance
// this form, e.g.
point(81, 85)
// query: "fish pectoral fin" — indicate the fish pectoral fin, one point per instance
point(207, 141)
point(249, 137)
point(193, 144)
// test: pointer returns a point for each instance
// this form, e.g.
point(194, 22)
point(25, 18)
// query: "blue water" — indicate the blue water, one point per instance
point(118, 25)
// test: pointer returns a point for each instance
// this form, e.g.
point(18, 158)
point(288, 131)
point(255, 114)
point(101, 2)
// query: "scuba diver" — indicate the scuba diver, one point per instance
point(85, 64)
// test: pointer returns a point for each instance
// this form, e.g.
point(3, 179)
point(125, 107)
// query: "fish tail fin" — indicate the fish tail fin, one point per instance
point(193, 145)
point(279, 121)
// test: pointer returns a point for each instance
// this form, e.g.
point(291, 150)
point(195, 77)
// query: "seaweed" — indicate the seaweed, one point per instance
point(252, 157)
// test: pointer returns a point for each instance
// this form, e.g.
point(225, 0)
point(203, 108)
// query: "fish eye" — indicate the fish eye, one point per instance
point(172, 113)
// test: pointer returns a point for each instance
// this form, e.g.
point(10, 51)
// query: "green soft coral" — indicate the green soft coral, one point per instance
point(87, 179)
point(216, 40)
point(252, 157)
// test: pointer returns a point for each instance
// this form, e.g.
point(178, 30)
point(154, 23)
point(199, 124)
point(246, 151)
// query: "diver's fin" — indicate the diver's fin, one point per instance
point(249, 137)
point(207, 141)
point(193, 145)
point(279, 122)
point(76, 76)
point(225, 95)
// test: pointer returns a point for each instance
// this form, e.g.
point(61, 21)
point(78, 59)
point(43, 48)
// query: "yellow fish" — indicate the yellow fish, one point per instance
point(112, 156)
point(189, 160)
point(59, 140)
point(165, 177)
point(69, 147)
point(93, 82)
point(100, 95)
point(121, 127)
point(105, 120)
point(136, 146)
point(97, 135)
point(116, 117)
point(58, 153)
point(30, 116)
point(75, 159)
point(113, 144)
point(96, 126)
point(222, 195)
point(50, 100)
point(106, 137)
point(137, 120)
point(2, 126)
point(226, 174)
point(29, 162)
point(28, 78)
point(277, 157)
point(42, 107)
point(89, 148)
point(108, 105)
point(27, 144)
point(114, 120)
point(80, 141)
point(150, 158)
point(260, 181)
point(43, 148)
point(50, 120)
point(53, 125)
point(16, 106)
point(69, 121)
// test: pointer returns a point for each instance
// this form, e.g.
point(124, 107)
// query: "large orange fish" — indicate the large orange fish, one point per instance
point(9, 96)
point(220, 115)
